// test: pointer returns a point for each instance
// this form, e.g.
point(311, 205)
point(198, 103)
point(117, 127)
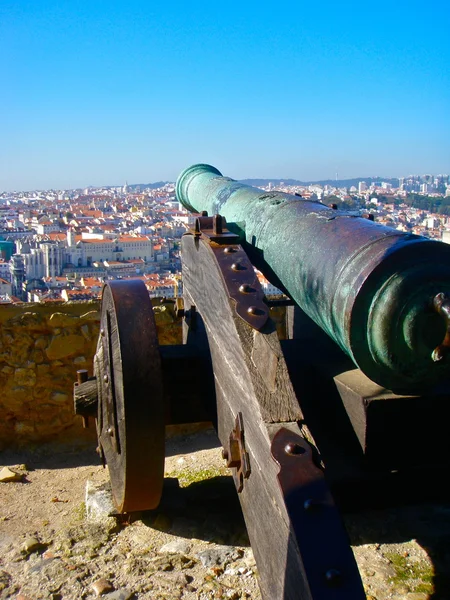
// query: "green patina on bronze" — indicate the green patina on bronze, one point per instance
point(370, 287)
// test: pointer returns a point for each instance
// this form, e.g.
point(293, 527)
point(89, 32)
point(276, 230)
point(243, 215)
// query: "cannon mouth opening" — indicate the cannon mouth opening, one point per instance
point(186, 177)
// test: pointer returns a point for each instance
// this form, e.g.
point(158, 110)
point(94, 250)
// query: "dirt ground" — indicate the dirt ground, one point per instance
point(195, 546)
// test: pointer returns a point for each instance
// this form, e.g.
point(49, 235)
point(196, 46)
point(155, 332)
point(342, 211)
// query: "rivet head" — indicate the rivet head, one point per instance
point(294, 449)
point(245, 288)
point(238, 267)
point(255, 311)
point(110, 431)
point(230, 250)
point(102, 332)
point(105, 378)
point(333, 576)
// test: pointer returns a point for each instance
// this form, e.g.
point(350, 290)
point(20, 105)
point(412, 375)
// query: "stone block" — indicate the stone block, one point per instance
point(25, 377)
point(42, 392)
point(59, 397)
point(42, 370)
point(63, 320)
point(63, 346)
point(37, 356)
point(41, 342)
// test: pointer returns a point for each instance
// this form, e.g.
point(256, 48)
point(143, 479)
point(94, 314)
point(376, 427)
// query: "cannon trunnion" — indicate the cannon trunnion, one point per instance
point(301, 427)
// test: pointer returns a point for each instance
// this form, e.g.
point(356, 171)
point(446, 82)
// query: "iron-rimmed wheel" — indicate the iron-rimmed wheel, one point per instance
point(130, 423)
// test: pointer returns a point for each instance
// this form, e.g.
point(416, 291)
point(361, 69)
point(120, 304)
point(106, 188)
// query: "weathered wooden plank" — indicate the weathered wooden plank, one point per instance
point(251, 378)
point(276, 400)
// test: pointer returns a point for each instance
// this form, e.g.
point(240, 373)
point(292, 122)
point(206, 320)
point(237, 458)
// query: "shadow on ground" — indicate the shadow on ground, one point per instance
point(208, 510)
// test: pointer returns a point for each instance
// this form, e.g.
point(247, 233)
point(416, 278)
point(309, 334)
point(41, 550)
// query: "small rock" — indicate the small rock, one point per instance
point(180, 580)
point(5, 580)
point(221, 555)
point(99, 502)
point(122, 594)
point(249, 559)
point(7, 475)
point(176, 547)
point(368, 572)
point(163, 564)
point(32, 544)
point(102, 587)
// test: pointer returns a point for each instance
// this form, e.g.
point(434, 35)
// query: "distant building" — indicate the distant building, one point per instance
point(17, 270)
point(5, 287)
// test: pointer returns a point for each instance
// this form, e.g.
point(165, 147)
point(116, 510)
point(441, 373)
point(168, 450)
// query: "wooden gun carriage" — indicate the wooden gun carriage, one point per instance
point(303, 429)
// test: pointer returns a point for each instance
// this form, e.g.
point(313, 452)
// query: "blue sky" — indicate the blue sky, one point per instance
point(99, 93)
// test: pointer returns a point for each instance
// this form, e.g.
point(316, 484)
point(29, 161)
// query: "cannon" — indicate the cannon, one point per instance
point(323, 418)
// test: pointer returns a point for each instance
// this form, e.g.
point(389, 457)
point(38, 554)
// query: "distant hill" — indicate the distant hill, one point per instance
point(152, 186)
point(343, 183)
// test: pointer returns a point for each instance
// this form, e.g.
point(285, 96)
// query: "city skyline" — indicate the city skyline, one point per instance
point(96, 95)
point(266, 180)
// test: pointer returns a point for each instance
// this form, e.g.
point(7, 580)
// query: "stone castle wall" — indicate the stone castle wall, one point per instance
point(41, 348)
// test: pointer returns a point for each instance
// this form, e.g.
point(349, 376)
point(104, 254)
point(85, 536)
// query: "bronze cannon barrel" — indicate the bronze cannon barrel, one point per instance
point(380, 293)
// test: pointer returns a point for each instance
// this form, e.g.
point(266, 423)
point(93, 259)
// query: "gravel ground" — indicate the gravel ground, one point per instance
point(194, 546)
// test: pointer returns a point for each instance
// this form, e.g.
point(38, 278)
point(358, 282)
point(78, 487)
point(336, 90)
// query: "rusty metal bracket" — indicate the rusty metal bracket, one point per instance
point(214, 229)
point(236, 455)
point(237, 270)
point(327, 558)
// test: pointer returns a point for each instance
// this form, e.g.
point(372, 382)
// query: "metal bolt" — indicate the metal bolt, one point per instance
point(333, 576)
point(110, 431)
point(255, 311)
point(217, 224)
point(245, 288)
point(105, 378)
point(82, 375)
point(102, 332)
point(294, 449)
point(230, 250)
point(238, 267)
